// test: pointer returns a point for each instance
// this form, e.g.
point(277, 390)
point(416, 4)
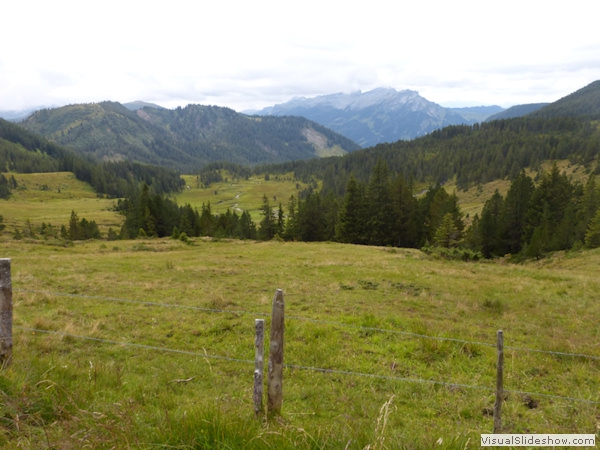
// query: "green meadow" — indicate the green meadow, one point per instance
point(150, 343)
point(241, 195)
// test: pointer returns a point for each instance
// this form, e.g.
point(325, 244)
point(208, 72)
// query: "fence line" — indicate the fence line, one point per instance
point(307, 319)
point(307, 368)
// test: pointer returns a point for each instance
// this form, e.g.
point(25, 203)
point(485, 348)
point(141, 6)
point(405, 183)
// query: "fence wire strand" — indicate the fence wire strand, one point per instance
point(306, 319)
point(307, 368)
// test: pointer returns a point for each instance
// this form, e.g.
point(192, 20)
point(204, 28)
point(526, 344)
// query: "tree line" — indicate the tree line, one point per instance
point(556, 214)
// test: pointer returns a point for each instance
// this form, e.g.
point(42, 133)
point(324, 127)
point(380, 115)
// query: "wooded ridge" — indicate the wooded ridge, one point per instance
point(185, 139)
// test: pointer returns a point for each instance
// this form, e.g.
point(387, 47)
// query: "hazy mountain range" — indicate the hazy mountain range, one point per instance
point(188, 138)
point(184, 138)
point(380, 115)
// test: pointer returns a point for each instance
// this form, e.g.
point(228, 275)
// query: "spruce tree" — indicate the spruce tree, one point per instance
point(447, 235)
point(351, 224)
point(592, 236)
point(516, 206)
point(380, 221)
point(404, 213)
point(491, 227)
point(268, 226)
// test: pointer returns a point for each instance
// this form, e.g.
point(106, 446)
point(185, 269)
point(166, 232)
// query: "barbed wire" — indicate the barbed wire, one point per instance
point(307, 319)
point(307, 368)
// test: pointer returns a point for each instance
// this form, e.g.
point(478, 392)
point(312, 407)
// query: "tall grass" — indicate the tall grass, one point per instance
point(376, 320)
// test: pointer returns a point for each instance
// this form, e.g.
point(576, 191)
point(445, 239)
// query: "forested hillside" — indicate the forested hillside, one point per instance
point(582, 103)
point(472, 155)
point(516, 111)
point(185, 139)
point(24, 152)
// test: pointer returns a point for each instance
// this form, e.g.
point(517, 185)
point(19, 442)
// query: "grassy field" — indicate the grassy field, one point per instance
point(50, 198)
point(241, 195)
point(377, 318)
point(150, 343)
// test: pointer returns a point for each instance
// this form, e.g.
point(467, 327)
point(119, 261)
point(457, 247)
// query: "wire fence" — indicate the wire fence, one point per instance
point(307, 319)
point(301, 367)
point(296, 366)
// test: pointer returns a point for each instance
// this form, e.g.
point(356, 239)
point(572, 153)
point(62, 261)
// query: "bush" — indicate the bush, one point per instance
point(461, 254)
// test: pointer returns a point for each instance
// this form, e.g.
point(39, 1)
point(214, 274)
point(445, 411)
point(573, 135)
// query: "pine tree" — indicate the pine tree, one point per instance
point(592, 236)
point(491, 226)
point(447, 235)
point(403, 209)
point(268, 226)
point(311, 219)
point(351, 223)
point(74, 231)
point(291, 227)
point(280, 221)
point(246, 229)
point(516, 206)
point(549, 202)
point(380, 221)
point(589, 205)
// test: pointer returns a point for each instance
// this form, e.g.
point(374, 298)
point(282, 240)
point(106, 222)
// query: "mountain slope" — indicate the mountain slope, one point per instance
point(369, 118)
point(582, 103)
point(474, 154)
point(184, 138)
point(24, 152)
point(517, 111)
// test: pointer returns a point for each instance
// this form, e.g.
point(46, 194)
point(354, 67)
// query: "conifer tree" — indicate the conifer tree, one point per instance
point(516, 206)
point(592, 236)
point(404, 212)
point(549, 202)
point(74, 231)
point(246, 229)
point(291, 226)
point(268, 225)
point(380, 221)
point(491, 226)
point(447, 235)
point(351, 223)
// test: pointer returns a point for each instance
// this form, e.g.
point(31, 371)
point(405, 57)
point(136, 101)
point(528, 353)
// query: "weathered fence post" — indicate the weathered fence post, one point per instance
point(259, 347)
point(275, 376)
point(5, 313)
point(499, 388)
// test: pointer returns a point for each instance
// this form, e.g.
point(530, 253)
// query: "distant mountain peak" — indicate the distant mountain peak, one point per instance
point(354, 100)
point(379, 115)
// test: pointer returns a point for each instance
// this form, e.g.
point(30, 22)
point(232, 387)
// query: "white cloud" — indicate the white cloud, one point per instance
point(254, 54)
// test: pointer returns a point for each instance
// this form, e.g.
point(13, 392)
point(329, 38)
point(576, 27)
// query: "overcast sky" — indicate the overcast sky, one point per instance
point(252, 54)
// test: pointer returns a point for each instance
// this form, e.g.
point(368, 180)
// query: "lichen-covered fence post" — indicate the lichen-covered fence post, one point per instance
point(499, 386)
point(6, 311)
point(275, 375)
point(259, 347)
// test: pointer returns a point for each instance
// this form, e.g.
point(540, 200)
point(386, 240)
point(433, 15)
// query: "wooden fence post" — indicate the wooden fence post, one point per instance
point(499, 387)
point(275, 376)
point(5, 313)
point(259, 347)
